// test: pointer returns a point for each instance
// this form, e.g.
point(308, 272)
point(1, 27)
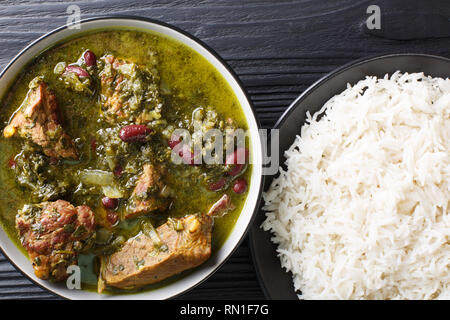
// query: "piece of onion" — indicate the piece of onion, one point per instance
point(97, 177)
point(112, 191)
point(104, 179)
point(150, 231)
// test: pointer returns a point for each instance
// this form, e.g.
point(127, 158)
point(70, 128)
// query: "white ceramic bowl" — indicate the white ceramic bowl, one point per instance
point(246, 217)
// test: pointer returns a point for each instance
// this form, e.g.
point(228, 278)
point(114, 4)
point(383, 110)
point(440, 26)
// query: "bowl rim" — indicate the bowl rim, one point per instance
point(256, 139)
point(285, 115)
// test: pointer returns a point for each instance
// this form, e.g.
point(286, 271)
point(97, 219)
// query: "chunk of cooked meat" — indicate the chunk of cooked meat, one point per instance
point(184, 244)
point(53, 233)
point(129, 92)
point(149, 193)
point(37, 120)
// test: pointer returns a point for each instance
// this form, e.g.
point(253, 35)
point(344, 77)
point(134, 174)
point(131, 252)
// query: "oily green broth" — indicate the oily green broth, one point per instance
point(192, 81)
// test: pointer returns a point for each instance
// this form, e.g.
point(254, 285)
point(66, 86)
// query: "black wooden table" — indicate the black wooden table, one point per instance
point(277, 48)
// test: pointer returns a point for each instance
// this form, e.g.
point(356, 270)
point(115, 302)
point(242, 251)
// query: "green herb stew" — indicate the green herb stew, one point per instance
point(105, 155)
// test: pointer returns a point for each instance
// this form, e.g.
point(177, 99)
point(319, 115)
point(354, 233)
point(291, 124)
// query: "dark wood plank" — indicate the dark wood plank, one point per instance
point(277, 48)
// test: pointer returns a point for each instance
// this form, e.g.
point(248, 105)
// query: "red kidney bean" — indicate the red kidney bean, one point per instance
point(239, 156)
point(187, 155)
point(112, 217)
point(233, 159)
point(93, 145)
point(134, 133)
point(118, 171)
point(12, 163)
point(89, 58)
point(240, 185)
point(78, 70)
point(184, 151)
point(217, 185)
point(173, 142)
point(110, 203)
point(237, 168)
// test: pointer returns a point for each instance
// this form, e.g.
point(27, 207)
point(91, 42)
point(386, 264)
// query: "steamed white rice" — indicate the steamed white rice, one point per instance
point(362, 211)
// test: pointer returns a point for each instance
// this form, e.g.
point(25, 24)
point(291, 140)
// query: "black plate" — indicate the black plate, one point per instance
point(275, 281)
